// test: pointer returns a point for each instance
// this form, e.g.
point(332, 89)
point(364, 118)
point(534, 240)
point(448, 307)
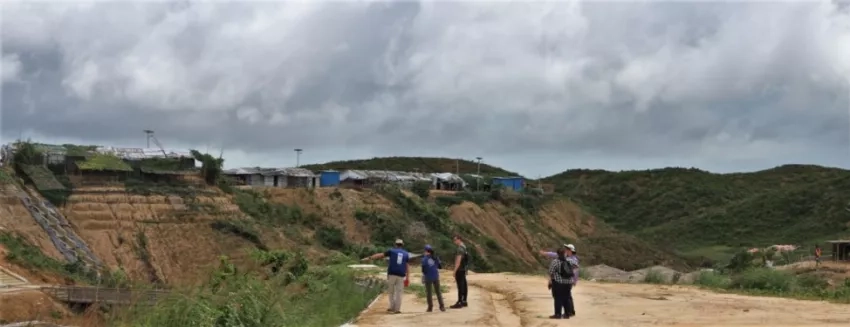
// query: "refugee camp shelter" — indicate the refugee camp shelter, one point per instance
point(368, 178)
point(512, 183)
point(252, 176)
point(99, 169)
point(329, 178)
point(840, 250)
point(291, 178)
point(273, 177)
point(447, 181)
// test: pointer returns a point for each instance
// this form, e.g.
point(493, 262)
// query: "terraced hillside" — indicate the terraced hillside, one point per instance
point(173, 232)
point(164, 236)
point(697, 211)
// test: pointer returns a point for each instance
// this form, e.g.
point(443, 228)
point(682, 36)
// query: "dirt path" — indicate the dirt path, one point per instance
point(513, 300)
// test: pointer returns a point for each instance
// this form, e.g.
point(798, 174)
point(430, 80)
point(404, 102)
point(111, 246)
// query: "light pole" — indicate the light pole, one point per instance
point(298, 157)
point(149, 133)
point(478, 176)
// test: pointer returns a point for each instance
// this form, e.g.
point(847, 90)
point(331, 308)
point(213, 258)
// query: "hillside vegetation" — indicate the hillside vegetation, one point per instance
point(691, 209)
point(412, 164)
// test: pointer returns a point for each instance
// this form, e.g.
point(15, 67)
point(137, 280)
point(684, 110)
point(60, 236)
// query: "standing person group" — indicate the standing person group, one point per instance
point(398, 270)
point(563, 276)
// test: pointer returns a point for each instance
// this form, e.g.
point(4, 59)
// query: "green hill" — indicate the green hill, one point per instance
point(693, 210)
point(421, 164)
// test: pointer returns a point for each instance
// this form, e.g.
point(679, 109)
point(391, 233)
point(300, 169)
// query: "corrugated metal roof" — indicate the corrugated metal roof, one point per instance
point(140, 153)
point(294, 171)
point(384, 175)
point(391, 175)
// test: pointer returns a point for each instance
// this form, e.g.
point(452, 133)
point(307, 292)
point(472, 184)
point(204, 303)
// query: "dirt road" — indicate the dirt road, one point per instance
point(514, 300)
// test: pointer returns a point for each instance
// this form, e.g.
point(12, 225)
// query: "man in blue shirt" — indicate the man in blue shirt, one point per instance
point(398, 269)
point(431, 277)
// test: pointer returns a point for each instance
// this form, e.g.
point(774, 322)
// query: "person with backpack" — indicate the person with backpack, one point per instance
point(398, 270)
point(572, 258)
point(431, 266)
point(560, 282)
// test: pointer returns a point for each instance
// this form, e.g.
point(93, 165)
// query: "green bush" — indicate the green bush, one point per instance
point(654, 277)
point(256, 206)
point(422, 189)
point(448, 200)
point(763, 279)
point(711, 279)
point(479, 198)
point(331, 237)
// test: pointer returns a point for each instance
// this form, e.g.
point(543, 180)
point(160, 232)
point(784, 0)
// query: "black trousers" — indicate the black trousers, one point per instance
point(460, 278)
point(562, 293)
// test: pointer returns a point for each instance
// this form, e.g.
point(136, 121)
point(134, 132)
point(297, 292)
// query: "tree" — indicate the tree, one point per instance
point(211, 167)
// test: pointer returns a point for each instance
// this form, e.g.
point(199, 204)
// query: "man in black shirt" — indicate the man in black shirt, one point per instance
point(461, 266)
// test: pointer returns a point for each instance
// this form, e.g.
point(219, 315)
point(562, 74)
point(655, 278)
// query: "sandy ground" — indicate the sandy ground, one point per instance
point(514, 300)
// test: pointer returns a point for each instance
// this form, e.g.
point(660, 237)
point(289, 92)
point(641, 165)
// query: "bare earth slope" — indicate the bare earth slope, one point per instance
point(154, 236)
point(514, 300)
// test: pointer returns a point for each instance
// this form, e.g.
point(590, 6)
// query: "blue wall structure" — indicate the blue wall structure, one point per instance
point(514, 183)
point(328, 178)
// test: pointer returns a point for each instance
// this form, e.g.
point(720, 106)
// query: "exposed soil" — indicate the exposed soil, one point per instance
point(335, 206)
point(514, 300)
point(15, 217)
point(179, 241)
point(27, 305)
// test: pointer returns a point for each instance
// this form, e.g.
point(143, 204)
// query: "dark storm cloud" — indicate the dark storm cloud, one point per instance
point(655, 81)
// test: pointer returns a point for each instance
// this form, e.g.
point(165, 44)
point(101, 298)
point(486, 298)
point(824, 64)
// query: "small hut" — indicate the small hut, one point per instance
point(99, 168)
point(840, 250)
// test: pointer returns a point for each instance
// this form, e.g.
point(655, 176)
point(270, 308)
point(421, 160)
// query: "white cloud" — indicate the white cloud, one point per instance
point(646, 80)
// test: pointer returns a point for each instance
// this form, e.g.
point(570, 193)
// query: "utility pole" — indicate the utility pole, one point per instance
point(149, 134)
point(298, 157)
point(478, 176)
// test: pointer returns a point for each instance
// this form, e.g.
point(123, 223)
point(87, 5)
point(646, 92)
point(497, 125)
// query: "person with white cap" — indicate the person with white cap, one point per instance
point(572, 258)
point(398, 270)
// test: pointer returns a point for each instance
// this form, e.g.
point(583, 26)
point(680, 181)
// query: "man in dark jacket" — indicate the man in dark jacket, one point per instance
point(461, 265)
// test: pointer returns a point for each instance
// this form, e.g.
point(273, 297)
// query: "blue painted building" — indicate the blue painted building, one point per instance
point(513, 183)
point(329, 178)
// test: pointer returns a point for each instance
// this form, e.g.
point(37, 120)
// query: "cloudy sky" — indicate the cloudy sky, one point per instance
point(534, 87)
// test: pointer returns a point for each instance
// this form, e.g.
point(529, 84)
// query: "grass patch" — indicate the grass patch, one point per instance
point(255, 205)
point(318, 296)
point(771, 282)
point(103, 162)
point(654, 277)
point(28, 256)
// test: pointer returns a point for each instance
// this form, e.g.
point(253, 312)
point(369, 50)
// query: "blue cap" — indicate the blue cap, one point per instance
point(428, 247)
